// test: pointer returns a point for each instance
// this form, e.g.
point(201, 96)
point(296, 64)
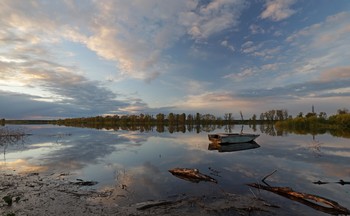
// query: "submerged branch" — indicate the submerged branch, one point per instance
point(268, 175)
point(306, 199)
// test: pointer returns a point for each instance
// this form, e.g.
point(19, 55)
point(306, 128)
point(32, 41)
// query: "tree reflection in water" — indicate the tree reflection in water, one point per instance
point(11, 136)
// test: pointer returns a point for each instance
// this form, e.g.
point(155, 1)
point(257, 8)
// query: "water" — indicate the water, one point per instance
point(135, 164)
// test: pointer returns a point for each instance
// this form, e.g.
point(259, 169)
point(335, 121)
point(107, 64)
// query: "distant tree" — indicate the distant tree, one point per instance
point(148, 119)
point(262, 117)
point(160, 117)
point(182, 118)
point(300, 115)
point(177, 118)
point(141, 117)
point(343, 111)
point(254, 118)
point(226, 116)
point(279, 115)
point(171, 118)
point(322, 115)
point(270, 115)
point(198, 118)
point(285, 114)
point(208, 118)
point(240, 112)
point(190, 119)
point(310, 114)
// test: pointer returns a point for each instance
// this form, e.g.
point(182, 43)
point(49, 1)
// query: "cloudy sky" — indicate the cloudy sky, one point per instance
point(75, 58)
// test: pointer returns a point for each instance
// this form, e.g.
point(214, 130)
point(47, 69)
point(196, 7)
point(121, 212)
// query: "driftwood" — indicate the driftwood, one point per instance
point(192, 175)
point(320, 182)
point(341, 182)
point(81, 182)
point(263, 180)
point(158, 204)
point(306, 199)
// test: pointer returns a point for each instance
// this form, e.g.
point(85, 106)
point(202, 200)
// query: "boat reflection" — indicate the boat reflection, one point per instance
point(231, 147)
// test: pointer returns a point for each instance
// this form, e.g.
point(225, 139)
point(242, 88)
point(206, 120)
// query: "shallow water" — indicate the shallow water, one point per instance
point(135, 164)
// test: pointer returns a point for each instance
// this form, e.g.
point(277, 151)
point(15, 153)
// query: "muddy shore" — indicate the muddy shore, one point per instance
point(52, 194)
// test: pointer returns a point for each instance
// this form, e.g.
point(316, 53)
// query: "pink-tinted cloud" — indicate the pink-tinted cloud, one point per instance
point(278, 10)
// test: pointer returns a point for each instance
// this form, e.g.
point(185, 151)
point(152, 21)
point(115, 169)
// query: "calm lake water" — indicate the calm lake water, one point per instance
point(137, 163)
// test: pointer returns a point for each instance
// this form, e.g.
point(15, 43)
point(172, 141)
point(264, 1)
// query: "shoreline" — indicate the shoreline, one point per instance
point(40, 194)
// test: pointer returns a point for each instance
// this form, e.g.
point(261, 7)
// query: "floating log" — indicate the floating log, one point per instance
point(319, 182)
point(157, 204)
point(341, 182)
point(306, 199)
point(84, 183)
point(192, 175)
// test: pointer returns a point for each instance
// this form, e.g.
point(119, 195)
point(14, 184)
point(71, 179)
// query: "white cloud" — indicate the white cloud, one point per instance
point(247, 44)
point(136, 34)
point(321, 46)
point(258, 50)
point(277, 33)
point(335, 74)
point(278, 10)
point(270, 67)
point(334, 29)
point(244, 74)
point(249, 47)
point(226, 44)
point(61, 83)
point(198, 52)
point(35, 69)
point(267, 53)
point(256, 29)
point(133, 34)
point(313, 65)
point(304, 32)
point(212, 18)
point(196, 86)
point(219, 102)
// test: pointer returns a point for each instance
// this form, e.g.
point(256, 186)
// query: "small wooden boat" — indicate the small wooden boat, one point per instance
point(232, 137)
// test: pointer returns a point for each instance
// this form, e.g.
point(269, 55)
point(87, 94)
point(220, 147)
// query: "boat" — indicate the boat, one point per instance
point(230, 138)
point(232, 147)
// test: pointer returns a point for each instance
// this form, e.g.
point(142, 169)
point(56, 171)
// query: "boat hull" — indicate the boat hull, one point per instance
point(232, 138)
point(232, 147)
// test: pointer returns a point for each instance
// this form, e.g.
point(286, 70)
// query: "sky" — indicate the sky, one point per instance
point(80, 58)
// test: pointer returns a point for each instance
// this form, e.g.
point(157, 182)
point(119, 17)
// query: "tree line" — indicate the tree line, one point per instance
point(272, 122)
point(318, 122)
point(172, 119)
point(147, 119)
point(280, 117)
